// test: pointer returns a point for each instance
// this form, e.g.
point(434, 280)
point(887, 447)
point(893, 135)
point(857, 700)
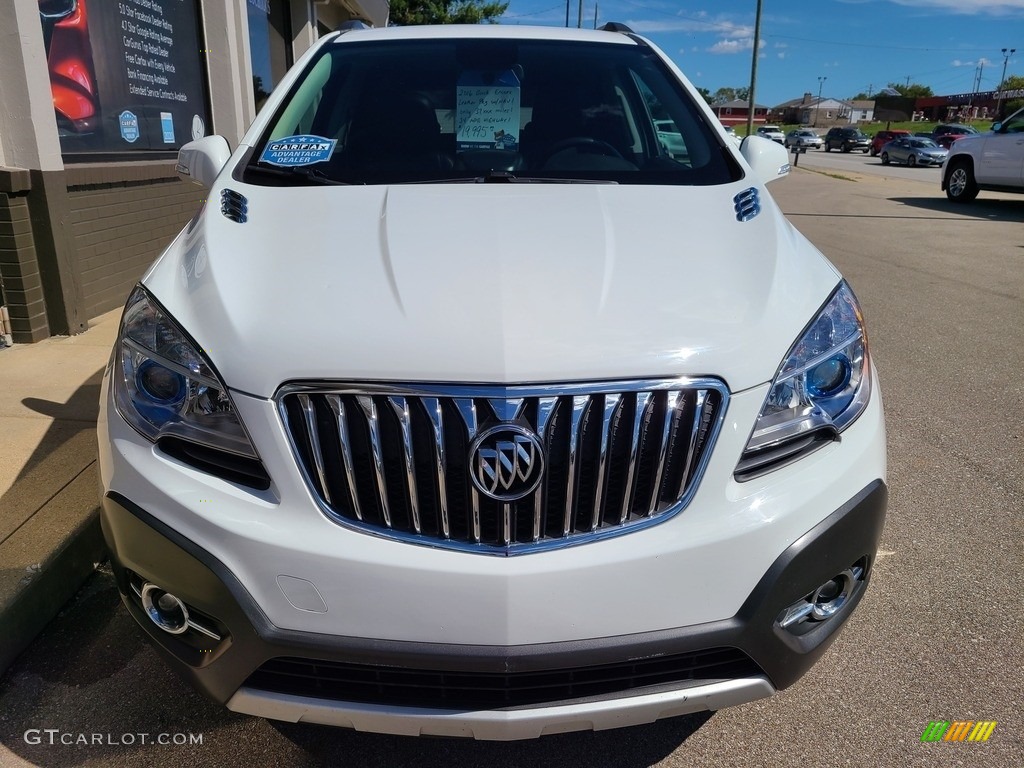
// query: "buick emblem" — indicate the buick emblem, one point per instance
point(506, 462)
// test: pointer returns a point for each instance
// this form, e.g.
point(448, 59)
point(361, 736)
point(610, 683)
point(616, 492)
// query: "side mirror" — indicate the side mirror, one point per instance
point(767, 159)
point(201, 160)
point(997, 127)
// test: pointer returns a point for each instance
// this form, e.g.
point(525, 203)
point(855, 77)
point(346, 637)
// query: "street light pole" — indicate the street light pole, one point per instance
point(1007, 53)
point(817, 106)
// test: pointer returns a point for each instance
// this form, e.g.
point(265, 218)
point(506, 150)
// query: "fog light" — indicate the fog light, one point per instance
point(824, 602)
point(164, 609)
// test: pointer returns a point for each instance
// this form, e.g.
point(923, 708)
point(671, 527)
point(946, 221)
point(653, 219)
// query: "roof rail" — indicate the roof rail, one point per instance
point(615, 26)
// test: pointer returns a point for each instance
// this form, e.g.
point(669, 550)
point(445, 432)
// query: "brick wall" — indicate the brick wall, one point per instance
point(19, 271)
point(122, 216)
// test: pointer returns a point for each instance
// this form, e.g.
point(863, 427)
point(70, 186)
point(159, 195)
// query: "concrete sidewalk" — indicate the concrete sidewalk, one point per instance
point(50, 538)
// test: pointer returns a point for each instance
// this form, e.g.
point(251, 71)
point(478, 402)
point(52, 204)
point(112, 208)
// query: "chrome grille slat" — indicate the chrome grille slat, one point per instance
point(436, 416)
point(580, 404)
point(467, 410)
point(401, 408)
point(338, 408)
point(370, 409)
point(395, 460)
point(643, 400)
point(309, 413)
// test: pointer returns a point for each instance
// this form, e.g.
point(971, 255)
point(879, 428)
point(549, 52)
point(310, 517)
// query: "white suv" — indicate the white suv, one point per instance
point(992, 161)
point(464, 408)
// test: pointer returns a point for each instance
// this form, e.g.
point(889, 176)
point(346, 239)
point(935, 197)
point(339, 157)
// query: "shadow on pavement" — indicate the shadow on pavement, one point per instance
point(1008, 209)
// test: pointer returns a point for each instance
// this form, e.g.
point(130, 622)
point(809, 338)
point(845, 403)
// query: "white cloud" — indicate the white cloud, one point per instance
point(970, 7)
point(735, 46)
point(781, 54)
point(719, 25)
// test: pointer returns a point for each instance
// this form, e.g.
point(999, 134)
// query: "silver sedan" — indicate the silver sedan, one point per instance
point(803, 138)
point(913, 150)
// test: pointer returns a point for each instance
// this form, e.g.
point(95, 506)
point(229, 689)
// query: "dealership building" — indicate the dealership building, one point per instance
point(96, 97)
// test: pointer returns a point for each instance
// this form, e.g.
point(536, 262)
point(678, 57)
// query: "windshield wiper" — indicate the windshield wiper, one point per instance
point(507, 177)
point(312, 175)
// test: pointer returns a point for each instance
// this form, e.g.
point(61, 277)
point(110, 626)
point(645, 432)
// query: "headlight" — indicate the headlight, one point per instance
point(164, 386)
point(822, 386)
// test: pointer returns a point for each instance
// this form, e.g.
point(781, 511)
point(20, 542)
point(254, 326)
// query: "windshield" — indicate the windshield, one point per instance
point(453, 109)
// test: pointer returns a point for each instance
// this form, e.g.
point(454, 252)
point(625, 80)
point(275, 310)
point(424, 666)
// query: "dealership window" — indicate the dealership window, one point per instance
point(270, 48)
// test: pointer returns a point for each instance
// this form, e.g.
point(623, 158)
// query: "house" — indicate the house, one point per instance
point(810, 110)
point(735, 112)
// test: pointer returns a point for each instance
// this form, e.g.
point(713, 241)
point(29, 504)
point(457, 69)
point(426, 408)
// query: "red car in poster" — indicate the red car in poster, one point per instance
point(72, 75)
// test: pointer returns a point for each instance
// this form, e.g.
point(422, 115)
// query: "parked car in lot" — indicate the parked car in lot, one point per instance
point(550, 431)
point(944, 135)
point(992, 161)
point(731, 132)
point(772, 132)
point(803, 137)
point(912, 150)
point(670, 137)
point(847, 140)
point(882, 138)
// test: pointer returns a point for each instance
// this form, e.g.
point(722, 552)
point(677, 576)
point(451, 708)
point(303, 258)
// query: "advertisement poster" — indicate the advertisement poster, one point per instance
point(126, 75)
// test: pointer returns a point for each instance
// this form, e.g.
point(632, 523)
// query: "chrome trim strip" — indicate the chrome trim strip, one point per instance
point(548, 391)
point(370, 409)
point(309, 414)
point(580, 405)
point(401, 408)
point(636, 708)
point(338, 407)
point(643, 402)
point(436, 415)
point(506, 523)
point(611, 404)
point(545, 408)
point(467, 410)
point(698, 415)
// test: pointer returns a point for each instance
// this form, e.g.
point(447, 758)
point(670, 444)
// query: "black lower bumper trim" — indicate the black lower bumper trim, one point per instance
point(156, 552)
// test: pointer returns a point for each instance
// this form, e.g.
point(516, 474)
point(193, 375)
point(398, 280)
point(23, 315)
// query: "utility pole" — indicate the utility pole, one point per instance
point(566, 13)
point(1007, 53)
point(595, 15)
point(579, 16)
point(753, 71)
point(817, 105)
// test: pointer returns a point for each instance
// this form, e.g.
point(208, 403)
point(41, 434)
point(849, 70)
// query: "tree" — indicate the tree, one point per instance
point(410, 12)
point(1012, 83)
point(861, 97)
point(723, 95)
point(912, 91)
point(704, 92)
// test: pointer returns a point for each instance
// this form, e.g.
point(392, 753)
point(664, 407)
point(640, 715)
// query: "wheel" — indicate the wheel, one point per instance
point(846, 148)
point(911, 161)
point(864, 151)
point(828, 147)
point(960, 184)
point(885, 158)
point(874, 152)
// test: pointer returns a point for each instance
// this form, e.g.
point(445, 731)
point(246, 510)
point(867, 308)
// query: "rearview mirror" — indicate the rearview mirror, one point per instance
point(767, 159)
point(201, 160)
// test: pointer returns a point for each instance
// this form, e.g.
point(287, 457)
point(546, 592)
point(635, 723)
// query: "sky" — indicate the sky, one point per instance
point(843, 47)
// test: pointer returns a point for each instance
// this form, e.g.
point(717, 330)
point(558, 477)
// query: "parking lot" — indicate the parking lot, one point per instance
point(936, 638)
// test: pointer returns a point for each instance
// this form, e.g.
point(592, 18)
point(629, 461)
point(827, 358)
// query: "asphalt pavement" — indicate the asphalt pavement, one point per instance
point(937, 637)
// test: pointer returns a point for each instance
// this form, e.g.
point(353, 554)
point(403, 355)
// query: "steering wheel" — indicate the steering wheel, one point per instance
point(592, 145)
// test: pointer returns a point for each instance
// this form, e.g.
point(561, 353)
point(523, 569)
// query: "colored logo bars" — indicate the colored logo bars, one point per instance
point(959, 730)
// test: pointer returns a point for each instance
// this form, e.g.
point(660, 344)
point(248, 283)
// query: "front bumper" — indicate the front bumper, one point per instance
point(224, 669)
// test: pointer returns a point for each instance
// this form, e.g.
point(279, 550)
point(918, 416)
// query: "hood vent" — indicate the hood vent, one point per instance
point(747, 204)
point(234, 206)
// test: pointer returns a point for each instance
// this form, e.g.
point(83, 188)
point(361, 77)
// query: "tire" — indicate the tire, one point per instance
point(911, 161)
point(960, 184)
point(828, 147)
point(864, 151)
point(846, 148)
point(885, 158)
point(874, 152)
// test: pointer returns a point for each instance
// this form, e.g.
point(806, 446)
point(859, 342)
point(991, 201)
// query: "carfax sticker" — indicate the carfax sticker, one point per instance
point(298, 150)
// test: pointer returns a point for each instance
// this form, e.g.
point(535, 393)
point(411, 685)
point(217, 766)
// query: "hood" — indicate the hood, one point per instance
point(491, 283)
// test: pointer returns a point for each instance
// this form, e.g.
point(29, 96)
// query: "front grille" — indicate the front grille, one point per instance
point(442, 689)
point(397, 460)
